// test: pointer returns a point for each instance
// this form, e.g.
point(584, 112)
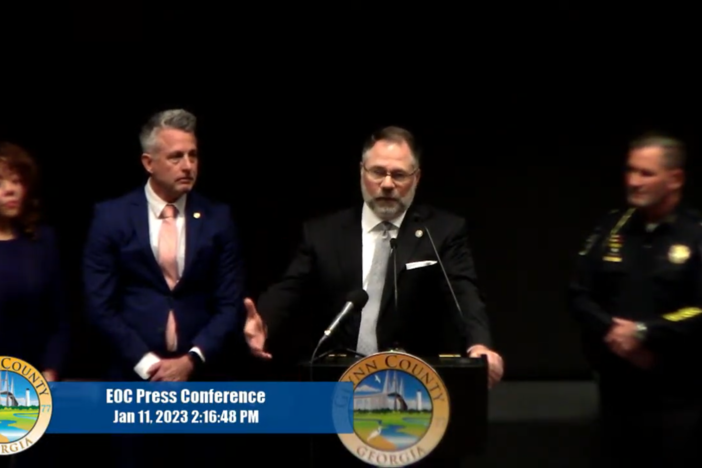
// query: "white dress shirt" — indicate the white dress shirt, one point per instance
point(369, 220)
point(155, 207)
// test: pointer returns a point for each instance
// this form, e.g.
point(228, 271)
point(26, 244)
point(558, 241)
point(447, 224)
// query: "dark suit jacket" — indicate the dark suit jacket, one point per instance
point(328, 265)
point(128, 298)
point(34, 321)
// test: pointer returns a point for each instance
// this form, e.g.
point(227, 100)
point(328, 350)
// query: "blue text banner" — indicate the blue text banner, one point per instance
point(201, 407)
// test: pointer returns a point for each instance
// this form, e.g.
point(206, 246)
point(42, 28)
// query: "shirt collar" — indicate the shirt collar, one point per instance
point(156, 204)
point(638, 221)
point(369, 220)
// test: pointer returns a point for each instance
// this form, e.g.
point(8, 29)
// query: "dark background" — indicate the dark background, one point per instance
point(531, 152)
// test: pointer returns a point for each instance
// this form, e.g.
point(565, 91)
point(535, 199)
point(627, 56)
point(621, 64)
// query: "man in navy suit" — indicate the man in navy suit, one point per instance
point(163, 275)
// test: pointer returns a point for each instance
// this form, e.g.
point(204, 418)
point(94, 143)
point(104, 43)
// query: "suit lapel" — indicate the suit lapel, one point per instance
point(140, 219)
point(194, 219)
point(407, 242)
point(349, 249)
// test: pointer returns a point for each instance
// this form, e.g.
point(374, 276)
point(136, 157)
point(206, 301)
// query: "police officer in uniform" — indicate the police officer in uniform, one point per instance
point(637, 296)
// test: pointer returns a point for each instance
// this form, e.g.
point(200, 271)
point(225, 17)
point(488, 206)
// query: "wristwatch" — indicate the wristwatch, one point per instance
point(641, 331)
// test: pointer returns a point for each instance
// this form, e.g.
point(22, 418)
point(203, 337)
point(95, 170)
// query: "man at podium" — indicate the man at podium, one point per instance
point(413, 261)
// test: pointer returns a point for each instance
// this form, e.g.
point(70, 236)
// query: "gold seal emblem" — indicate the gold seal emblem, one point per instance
point(400, 409)
point(678, 253)
point(25, 405)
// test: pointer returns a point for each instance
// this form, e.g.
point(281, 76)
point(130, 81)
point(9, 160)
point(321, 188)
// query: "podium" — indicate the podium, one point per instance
point(465, 436)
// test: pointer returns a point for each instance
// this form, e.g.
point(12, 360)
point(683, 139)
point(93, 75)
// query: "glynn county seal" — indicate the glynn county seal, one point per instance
point(400, 409)
point(25, 405)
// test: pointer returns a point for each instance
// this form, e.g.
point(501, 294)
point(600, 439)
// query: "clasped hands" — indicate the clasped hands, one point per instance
point(50, 375)
point(622, 341)
point(172, 370)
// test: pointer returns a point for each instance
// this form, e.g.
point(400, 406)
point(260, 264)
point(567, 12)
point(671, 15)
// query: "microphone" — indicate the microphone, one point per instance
point(418, 219)
point(356, 300)
point(393, 246)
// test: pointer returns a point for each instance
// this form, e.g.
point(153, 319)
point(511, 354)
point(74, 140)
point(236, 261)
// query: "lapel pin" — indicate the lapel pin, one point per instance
point(418, 233)
point(196, 215)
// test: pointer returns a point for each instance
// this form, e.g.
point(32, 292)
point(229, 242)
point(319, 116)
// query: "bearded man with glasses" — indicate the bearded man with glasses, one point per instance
point(350, 249)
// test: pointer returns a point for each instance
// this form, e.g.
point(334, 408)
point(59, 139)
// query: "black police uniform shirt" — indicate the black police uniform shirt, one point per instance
point(651, 274)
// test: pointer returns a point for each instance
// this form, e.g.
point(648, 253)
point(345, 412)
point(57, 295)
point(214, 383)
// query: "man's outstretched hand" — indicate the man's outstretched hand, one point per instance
point(255, 331)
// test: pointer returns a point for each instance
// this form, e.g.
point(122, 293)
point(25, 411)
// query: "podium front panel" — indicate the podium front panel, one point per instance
point(466, 432)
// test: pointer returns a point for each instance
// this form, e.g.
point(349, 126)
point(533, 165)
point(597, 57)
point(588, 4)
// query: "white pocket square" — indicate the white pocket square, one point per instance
point(413, 265)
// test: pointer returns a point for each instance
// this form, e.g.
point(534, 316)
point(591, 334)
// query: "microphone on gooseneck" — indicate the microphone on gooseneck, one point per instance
point(393, 246)
point(355, 301)
point(418, 219)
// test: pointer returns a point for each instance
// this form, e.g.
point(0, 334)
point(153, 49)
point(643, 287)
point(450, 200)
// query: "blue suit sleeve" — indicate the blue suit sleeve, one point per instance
point(58, 316)
point(101, 287)
point(228, 293)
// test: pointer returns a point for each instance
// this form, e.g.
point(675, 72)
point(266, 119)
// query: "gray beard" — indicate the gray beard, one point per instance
point(392, 210)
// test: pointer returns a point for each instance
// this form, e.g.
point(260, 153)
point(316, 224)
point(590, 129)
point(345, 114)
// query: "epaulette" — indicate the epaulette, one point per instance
point(693, 214)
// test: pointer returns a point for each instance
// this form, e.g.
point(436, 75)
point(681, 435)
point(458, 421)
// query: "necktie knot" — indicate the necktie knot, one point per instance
point(169, 211)
point(385, 227)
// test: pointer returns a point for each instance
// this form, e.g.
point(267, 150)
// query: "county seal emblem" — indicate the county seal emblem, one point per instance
point(400, 409)
point(25, 405)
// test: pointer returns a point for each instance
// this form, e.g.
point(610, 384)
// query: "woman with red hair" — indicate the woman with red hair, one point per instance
point(33, 322)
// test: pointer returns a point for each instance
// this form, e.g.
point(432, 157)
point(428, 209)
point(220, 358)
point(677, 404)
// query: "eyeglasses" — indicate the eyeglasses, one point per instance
point(378, 174)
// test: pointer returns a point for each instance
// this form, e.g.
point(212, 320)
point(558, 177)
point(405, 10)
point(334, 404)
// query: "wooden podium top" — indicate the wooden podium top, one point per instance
point(440, 362)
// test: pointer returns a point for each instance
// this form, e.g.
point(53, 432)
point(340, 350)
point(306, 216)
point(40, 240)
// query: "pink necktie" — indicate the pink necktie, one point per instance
point(168, 259)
